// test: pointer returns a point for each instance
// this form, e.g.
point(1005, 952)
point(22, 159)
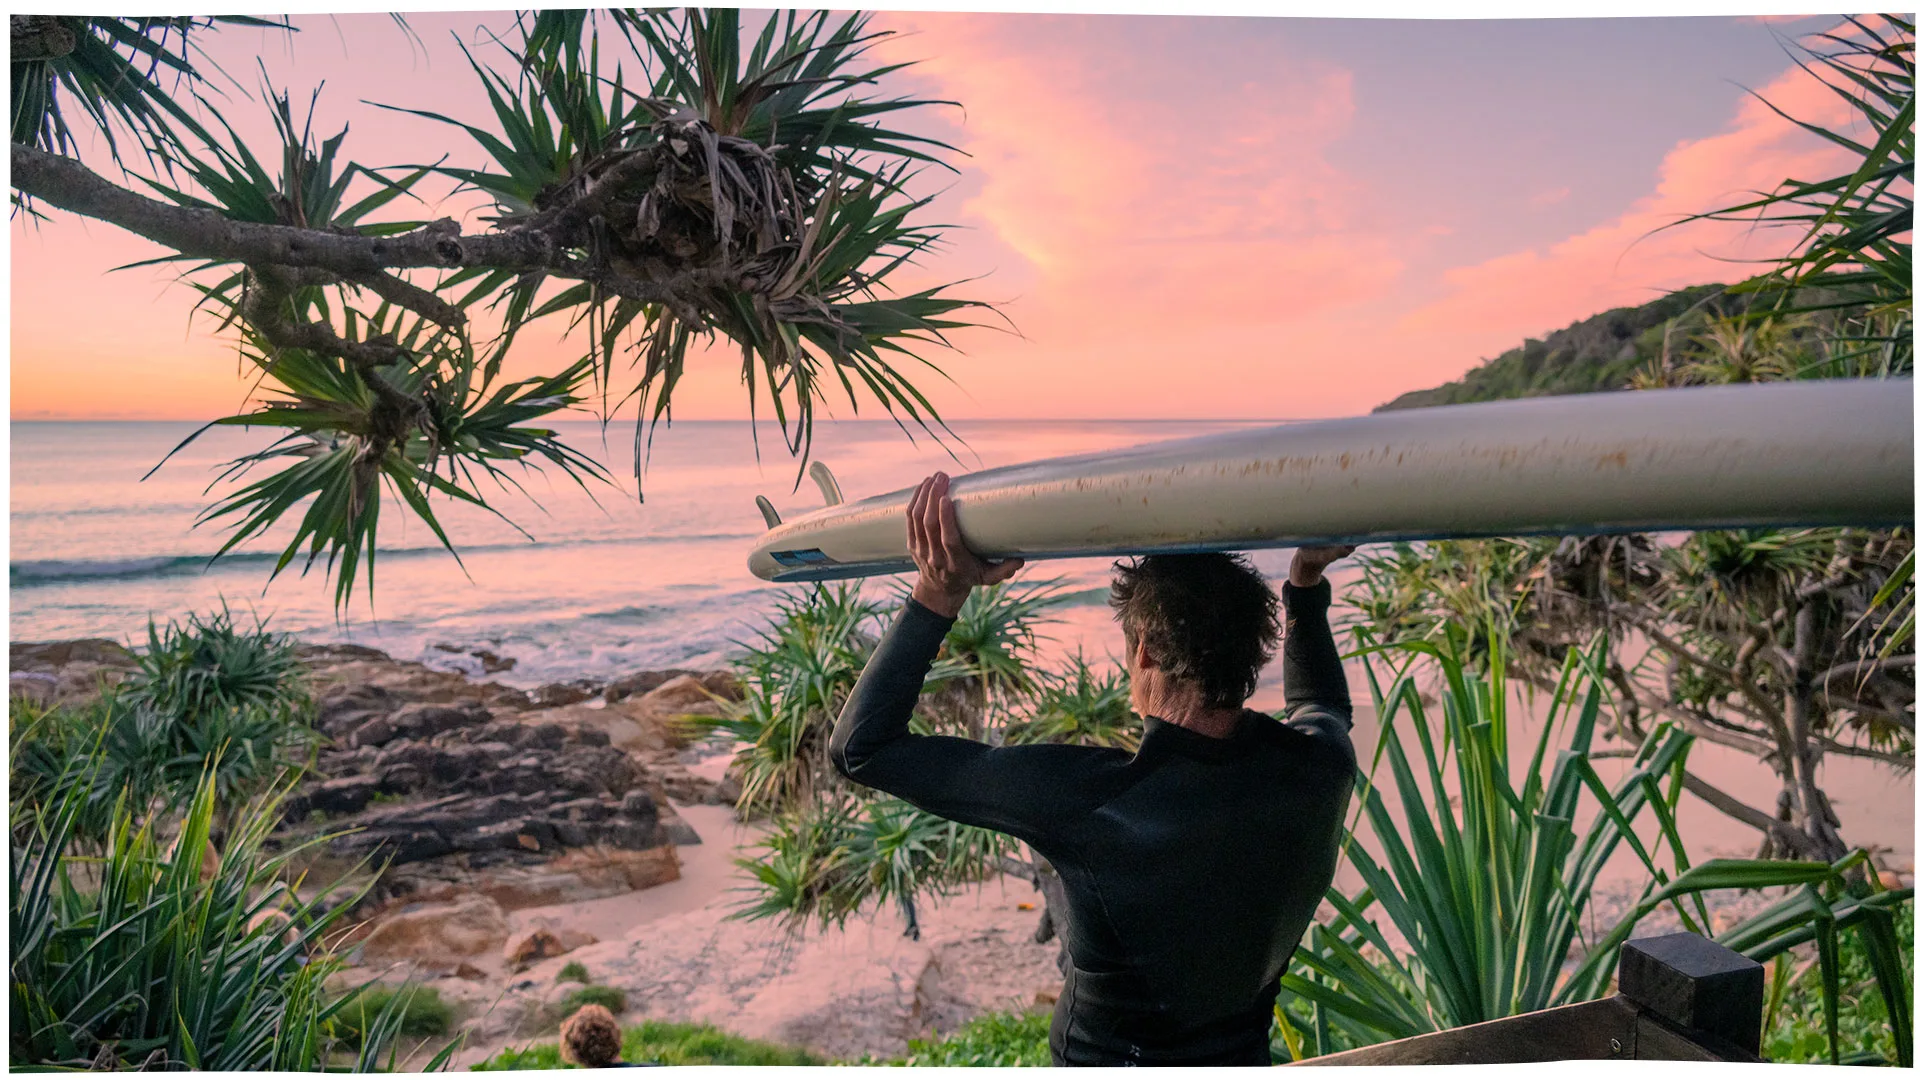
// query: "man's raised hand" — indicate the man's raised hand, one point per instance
point(1310, 563)
point(948, 569)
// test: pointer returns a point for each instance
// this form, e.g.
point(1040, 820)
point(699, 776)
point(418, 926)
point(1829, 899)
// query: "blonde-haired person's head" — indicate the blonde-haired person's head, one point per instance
point(590, 1038)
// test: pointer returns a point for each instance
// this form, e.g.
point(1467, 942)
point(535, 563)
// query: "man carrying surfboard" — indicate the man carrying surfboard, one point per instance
point(1192, 867)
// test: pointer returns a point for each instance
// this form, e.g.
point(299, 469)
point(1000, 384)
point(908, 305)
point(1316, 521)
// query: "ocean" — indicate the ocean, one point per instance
point(606, 585)
point(609, 584)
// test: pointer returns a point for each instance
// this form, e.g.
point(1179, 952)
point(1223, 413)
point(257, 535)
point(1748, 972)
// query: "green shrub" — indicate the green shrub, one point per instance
point(203, 691)
point(1083, 705)
point(205, 666)
point(835, 848)
point(421, 1012)
point(993, 1040)
point(575, 971)
point(612, 997)
point(664, 1043)
point(147, 956)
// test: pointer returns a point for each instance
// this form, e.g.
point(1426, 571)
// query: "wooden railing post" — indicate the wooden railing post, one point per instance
point(1696, 986)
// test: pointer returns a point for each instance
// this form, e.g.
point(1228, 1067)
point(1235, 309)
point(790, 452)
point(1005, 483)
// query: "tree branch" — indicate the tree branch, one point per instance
point(1838, 671)
point(389, 287)
point(66, 183)
point(1782, 832)
point(1838, 702)
point(1828, 745)
point(1643, 625)
point(394, 413)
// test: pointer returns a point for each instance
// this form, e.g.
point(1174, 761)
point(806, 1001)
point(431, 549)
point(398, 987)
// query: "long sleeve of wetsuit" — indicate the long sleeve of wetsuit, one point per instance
point(1025, 791)
point(1316, 684)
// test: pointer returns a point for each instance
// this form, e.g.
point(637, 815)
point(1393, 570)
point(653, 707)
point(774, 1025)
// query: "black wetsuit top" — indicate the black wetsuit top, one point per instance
point(1191, 868)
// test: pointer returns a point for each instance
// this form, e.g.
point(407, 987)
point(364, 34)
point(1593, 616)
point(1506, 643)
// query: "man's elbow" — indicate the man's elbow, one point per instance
point(838, 751)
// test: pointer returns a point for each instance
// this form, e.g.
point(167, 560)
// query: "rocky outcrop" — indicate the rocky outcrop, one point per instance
point(544, 940)
point(436, 937)
point(419, 781)
point(333, 667)
point(468, 791)
point(641, 682)
point(720, 683)
point(66, 672)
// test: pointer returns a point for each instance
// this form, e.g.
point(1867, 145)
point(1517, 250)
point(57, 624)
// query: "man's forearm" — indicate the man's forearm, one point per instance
point(1310, 662)
point(881, 706)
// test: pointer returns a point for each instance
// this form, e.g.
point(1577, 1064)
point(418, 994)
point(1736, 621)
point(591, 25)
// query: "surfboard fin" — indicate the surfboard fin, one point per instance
point(767, 511)
point(829, 487)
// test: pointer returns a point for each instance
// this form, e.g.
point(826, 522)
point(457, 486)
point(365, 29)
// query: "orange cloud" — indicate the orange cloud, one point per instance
point(1223, 209)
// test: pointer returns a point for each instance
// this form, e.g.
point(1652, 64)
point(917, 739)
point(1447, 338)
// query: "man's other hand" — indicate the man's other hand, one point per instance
point(1309, 563)
point(948, 570)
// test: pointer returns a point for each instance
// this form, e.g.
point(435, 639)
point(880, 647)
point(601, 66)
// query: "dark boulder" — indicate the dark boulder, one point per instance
point(419, 722)
point(540, 737)
point(553, 695)
point(639, 803)
point(343, 710)
point(338, 797)
point(585, 810)
point(641, 682)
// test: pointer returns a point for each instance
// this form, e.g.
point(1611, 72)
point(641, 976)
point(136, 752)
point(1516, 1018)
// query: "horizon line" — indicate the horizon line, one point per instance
point(855, 420)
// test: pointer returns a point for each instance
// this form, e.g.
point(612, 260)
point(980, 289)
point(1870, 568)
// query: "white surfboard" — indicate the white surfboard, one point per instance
point(1782, 454)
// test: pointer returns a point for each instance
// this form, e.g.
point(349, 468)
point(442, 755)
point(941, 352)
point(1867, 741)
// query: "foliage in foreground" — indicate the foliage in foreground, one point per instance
point(664, 1043)
point(836, 857)
point(1769, 641)
point(166, 954)
point(1490, 888)
point(205, 694)
point(1796, 1028)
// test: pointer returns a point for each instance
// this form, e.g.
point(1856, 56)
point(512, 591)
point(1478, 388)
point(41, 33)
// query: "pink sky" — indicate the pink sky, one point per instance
point(1184, 217)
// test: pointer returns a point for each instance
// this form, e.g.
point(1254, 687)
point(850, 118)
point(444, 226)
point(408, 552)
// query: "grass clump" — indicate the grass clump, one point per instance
point(990, 1040)
point(612, 997)
point(665, 1043)
point(575, 971)
point(418, 1011)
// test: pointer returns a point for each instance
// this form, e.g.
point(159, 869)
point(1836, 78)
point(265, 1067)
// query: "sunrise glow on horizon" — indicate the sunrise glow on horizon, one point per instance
point(1179, 217)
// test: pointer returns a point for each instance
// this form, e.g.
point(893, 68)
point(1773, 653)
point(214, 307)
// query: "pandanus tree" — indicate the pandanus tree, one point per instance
point(659, 180)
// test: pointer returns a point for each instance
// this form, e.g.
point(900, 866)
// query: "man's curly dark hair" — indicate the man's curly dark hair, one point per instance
point(1208, 619)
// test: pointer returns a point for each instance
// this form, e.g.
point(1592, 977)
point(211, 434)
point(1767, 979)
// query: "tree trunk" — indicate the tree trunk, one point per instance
point(976, 698)
point(1800, 758)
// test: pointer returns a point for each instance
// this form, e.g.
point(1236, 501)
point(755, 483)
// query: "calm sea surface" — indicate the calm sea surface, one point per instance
point(608, 584)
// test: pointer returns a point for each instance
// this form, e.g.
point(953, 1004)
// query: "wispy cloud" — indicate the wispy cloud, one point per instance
point(1635, 256)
